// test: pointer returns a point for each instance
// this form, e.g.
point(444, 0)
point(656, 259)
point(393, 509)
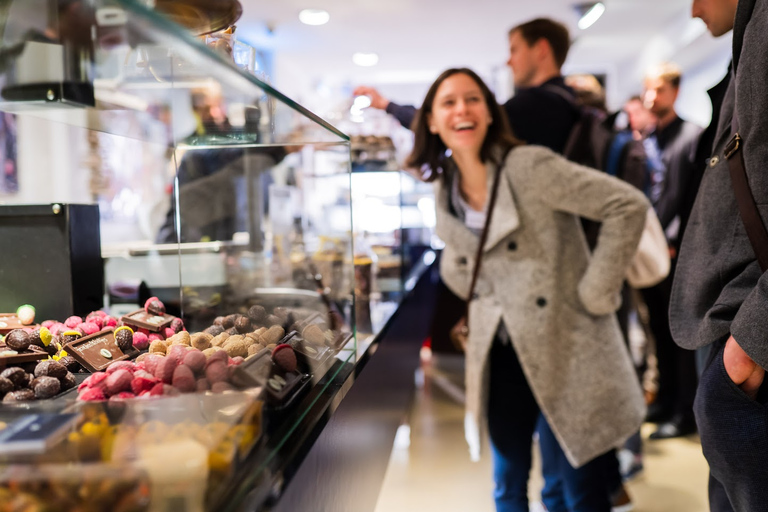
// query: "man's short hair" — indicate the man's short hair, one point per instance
point(667, 71)
point(556, 34)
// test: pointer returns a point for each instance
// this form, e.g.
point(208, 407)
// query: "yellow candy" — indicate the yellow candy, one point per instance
point(45, 336)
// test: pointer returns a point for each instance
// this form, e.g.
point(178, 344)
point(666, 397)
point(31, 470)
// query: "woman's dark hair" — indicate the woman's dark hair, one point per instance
point(428, 154)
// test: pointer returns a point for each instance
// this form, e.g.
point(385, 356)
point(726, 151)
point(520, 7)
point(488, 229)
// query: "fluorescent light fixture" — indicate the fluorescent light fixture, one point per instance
point(365, 59)
point(591, 15)
point(314, 17)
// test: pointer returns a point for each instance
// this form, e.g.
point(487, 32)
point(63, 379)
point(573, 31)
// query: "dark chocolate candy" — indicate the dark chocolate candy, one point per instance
point(16, 375)
point(68, 382)
point(144, 320)
point(19, 396)
point(243, 324)
point(214, 330)
point(257, 314)
point(50, 368)
point(18, 340)
point(70, 363)
point(229, 321)
point(97, 351)
point(46, 387)
point(6, 386)
point(124, 339)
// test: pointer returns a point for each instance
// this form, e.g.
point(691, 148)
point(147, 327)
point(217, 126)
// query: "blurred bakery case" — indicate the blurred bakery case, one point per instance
point(200, 272)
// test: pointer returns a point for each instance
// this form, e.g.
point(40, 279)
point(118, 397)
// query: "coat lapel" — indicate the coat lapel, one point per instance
point(505, 218)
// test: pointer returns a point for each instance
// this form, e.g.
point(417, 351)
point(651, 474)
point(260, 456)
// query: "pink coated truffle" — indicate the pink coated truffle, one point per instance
point(91, 394)
point(177, 325)
point(73, 321)
point(154, 306)
point(195, 360)
point(216, 372)
point(142, 384)
point(48, 324)
point(96, 320)
point(168, 332)
point(94, 381)
point(123, 395)
point(98, 313)
point(184, 379)
point(109, 321)
point(155, 336)
point(140, 341)
point(88, 328)
point(121, 365)
point(143, 331)
point(119, 381)
point(57, 328)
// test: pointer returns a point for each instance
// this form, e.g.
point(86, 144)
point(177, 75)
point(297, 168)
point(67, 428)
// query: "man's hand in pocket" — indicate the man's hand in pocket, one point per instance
point(742, 370)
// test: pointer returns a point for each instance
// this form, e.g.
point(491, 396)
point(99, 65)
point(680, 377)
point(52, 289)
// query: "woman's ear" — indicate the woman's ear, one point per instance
point(432, 127)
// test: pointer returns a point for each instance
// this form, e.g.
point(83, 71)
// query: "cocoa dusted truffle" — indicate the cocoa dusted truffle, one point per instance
point(46, 387)
point(214, 330)
point(18, 340)
point(19, 396)
point(243, 324)
point(16, 375)
point(50, 368)
point(124, 338)
point(257, 314)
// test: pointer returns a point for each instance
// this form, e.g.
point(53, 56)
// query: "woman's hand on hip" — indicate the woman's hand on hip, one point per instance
point(742, 369)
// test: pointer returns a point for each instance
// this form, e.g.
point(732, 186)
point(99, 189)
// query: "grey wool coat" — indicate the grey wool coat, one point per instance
point(556, 301)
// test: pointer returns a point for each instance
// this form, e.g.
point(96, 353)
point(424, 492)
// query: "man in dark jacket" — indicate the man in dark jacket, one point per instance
point(720, 293)
point(675, 140)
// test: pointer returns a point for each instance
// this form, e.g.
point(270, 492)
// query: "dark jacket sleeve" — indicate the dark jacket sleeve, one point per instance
point(750, 327)
point(403, 113)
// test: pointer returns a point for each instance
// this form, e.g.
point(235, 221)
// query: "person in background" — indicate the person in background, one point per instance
point(641, 120)
point(545, 346)
point(543, 111)
point(670, 148)
point(719, 296)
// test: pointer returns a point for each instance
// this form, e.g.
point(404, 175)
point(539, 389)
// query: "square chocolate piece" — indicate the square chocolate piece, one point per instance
point(97, 351)
point(143, 320)
point(9, 322)
point(10, 357)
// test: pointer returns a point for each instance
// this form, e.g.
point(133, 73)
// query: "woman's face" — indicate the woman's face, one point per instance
point(460, 115)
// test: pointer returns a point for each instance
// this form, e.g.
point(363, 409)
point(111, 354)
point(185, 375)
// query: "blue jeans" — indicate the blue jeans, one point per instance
point(512, 418)
point(734, 439)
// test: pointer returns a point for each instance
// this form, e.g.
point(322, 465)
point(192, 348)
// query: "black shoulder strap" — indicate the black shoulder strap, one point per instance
point(750, 215)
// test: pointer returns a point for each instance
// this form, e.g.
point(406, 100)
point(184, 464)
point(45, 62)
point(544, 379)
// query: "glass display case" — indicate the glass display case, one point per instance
point(184, 234)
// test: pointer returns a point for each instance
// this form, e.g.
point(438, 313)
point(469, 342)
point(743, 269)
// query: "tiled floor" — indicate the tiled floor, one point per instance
point(430, 468)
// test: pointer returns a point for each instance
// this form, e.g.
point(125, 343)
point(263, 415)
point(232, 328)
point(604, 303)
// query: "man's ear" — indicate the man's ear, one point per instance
point(542, 49)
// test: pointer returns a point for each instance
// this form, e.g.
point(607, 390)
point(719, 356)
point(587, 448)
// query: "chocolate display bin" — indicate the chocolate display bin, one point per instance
point(56, 260)
point(244, 227)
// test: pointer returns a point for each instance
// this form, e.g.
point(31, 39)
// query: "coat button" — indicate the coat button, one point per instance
point(714, 161)
point(541, 302)
point(512, 246)
point(461, 261)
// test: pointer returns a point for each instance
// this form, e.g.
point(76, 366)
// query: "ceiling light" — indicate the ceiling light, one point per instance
point(365, 59)
point(314, 17)
point(591, 13)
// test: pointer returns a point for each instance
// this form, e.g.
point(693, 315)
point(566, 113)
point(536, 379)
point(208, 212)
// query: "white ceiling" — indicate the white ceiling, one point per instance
point(415, 40)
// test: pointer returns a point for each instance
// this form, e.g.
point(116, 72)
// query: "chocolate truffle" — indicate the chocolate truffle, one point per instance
point(229, 321)
point(219, 320)
point(257, 314)
point(214, 330)
point(16, 375)
point(68, 382)
point(69, 336)
point(46, 387)
point(154, 306)
point(50, 368)
point(19, 396)
point(232, 331)
point(273, 320)
point(243, 324)
point(124, 339)
point(70, 363)
point(284, 357)
point(281, 312)
point(18, 340)
point(177, 325)
point(6, 386)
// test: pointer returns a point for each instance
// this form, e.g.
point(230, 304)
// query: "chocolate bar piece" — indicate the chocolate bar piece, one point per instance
point(143, 320)
point(9, 322)
point(97, 351)
point(9, 357)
